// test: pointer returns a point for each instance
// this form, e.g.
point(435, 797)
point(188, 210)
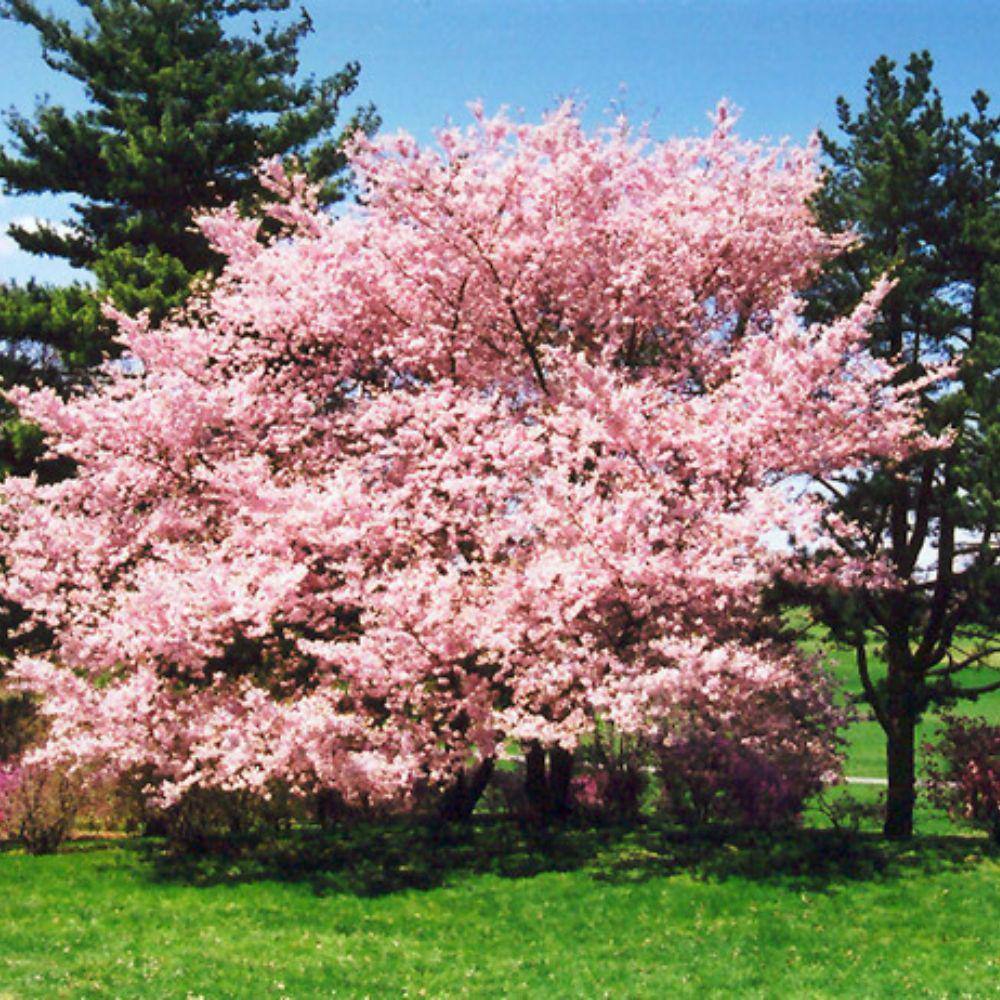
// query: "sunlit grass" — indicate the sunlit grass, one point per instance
point(388, 913)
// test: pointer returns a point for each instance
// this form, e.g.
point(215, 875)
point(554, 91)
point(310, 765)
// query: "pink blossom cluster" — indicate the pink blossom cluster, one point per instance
point(747, 738)
point(964, 772)
point(497, 453)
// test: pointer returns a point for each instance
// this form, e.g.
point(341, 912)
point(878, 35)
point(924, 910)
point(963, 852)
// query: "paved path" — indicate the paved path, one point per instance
point(866, 781)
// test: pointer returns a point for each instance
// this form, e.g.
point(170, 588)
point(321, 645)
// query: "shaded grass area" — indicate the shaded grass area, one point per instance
point(499, 910)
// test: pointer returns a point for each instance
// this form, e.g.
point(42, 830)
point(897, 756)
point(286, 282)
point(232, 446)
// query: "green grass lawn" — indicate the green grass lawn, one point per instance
point(497, 911)
point(393, 912)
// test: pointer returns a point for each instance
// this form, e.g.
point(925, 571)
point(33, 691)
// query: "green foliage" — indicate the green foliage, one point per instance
point(922, 191)
point(46, 330)
point(180, 110)
point(45, 333)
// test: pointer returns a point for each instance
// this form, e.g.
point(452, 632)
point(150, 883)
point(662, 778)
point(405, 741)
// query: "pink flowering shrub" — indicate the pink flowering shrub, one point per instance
point(499, 455)
point(963, 774)
point(749, 750)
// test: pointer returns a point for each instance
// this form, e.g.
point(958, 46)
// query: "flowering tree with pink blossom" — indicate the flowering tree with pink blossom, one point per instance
point(498, 454)
point(747, 740)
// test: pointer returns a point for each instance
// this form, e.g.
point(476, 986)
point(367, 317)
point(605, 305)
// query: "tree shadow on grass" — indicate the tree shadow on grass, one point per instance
point(373, 860)
point(810, 859)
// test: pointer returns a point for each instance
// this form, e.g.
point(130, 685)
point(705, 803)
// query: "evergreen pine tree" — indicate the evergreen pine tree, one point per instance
point(921, 190)
point(181, 107)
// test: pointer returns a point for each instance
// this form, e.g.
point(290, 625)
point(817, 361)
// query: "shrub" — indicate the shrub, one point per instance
point(39, 805)
point(214, 819)
point(203, 819)
point(610, 782)
point(9, 778)
point(846, 815)
point(331, 809)
point(748, 748)
point(963, 774)
point(711, 778)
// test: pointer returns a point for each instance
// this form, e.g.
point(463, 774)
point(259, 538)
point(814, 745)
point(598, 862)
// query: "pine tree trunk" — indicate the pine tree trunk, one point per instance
point(900, 746)
point(899, 723)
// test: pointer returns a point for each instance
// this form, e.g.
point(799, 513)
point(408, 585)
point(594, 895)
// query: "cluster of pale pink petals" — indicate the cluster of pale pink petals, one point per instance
point(491, 457)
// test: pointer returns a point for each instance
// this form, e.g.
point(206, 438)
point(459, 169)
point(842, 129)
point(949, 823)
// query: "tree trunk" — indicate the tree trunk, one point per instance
point(536, 785)
point(560, 774)
point(547, 787)
point(899, 722)
point(900, 744)
point(459, 802)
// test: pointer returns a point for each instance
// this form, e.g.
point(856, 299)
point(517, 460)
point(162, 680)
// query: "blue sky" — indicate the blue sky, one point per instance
point(666, 61)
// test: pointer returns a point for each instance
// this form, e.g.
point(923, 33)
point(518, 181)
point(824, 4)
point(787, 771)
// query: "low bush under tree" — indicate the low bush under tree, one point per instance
point(748, 743)
point(963, 773)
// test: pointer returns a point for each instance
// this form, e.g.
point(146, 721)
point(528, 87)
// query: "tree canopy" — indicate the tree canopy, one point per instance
point(499, 455)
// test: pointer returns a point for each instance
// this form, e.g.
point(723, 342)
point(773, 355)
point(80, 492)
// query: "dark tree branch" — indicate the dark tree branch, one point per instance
point(861, 655)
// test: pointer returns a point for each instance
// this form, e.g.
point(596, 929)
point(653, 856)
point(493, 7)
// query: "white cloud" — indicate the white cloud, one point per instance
point(32, 223)
point(30, 211)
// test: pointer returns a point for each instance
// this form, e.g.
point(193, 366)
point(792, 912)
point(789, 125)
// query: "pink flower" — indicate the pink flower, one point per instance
point(499, 454)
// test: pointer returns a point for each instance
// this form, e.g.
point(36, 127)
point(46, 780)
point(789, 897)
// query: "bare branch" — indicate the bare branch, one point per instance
point(973, 692)
point(861, 655)
point(954, 666)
